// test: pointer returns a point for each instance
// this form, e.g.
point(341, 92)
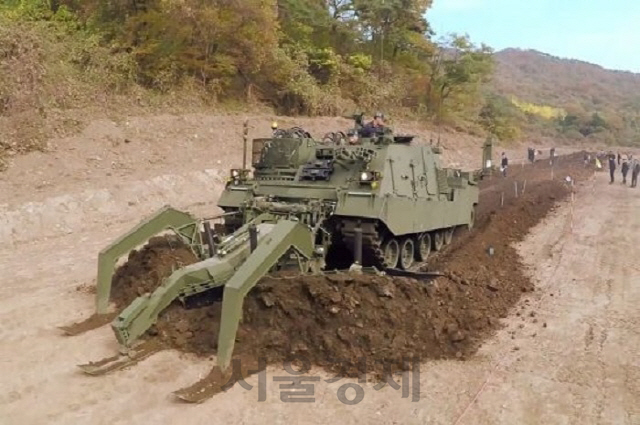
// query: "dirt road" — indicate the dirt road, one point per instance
point(571, 361)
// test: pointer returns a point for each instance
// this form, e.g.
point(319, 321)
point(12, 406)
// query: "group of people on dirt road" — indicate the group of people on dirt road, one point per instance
point(627, 163)
point(531, 156)
point(532, 153)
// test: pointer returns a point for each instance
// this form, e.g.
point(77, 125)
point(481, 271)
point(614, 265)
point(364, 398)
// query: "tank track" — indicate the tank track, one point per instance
point(373, 236)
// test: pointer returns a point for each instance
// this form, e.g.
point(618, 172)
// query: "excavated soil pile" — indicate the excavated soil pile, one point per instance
point(146, 268)
point(336, 321)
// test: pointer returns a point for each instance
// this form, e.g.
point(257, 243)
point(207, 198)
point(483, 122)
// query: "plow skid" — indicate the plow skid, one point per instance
point(120, 361)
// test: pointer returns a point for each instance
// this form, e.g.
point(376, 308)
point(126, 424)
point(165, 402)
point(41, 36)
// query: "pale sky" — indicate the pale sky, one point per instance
point(604, 32)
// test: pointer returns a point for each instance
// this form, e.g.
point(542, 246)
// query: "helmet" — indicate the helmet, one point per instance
point(379, 115)
point(274, 125)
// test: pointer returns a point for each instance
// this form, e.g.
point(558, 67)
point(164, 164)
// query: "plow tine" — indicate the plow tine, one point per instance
point(120, 361)
point(93, 322)
point(219, 380)
point(205, 388)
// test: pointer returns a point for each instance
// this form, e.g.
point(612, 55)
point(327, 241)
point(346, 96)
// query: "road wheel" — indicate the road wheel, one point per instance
point(391, 253)
point(407, 253)
point(438, 240)
point(448, 235)
point(472, 218)
point(423, 247)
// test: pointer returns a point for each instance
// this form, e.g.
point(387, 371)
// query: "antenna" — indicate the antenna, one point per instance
point(381, 45)
point(244, 144)
point(439, 113)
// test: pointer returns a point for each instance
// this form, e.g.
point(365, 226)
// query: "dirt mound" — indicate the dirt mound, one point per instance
point(146, 268)
point(349, 323)
point(347, 318)
point(193, 330)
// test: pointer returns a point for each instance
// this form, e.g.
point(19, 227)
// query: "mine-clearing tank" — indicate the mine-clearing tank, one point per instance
point(396, 191)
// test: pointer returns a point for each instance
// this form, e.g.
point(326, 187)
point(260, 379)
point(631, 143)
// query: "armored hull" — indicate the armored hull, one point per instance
point(393, 190)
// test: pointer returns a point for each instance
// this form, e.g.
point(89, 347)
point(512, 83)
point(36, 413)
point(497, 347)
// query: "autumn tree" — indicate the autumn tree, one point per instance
point(458, 70)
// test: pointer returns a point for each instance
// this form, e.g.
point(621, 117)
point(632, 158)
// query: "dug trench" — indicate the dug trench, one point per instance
point(355, 324)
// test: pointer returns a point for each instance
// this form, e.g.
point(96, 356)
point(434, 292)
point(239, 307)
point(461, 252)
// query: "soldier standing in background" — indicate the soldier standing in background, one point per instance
point(635, 170)
point(504, 164)
point(624, 170)
point(612, 166)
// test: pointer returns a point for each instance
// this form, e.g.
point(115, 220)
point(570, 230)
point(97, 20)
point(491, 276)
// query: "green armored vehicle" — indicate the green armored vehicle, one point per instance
point(394, 191)
point(380, 203)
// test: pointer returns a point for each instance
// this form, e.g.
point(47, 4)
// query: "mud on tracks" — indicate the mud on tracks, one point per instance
point(335, 321)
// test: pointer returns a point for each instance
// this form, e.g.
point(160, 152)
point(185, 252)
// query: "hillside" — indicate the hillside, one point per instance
point(577, 90)
point(291, 57)
point(64, 64)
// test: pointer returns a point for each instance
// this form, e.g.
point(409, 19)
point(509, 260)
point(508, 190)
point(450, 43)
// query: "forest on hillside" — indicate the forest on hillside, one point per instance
point(580, 101)
point(311, 57)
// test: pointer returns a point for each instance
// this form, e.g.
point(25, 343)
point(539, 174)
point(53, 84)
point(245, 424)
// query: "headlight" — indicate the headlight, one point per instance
point(235, 173)
point(366, 176)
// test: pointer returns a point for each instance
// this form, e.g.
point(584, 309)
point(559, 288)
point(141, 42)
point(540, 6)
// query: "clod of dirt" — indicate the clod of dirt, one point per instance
point(493, 285)
point(86, 288)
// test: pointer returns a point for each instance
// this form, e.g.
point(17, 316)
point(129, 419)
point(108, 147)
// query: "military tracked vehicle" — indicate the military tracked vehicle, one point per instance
point(382, 203)
point(394, 192)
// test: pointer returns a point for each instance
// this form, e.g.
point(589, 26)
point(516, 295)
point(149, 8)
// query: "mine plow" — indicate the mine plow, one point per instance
point(381, 205)
point(236, 263)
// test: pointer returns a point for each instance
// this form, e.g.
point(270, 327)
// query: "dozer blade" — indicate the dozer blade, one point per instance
point(92, 322)
point(411, 273)
point(111, 364)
